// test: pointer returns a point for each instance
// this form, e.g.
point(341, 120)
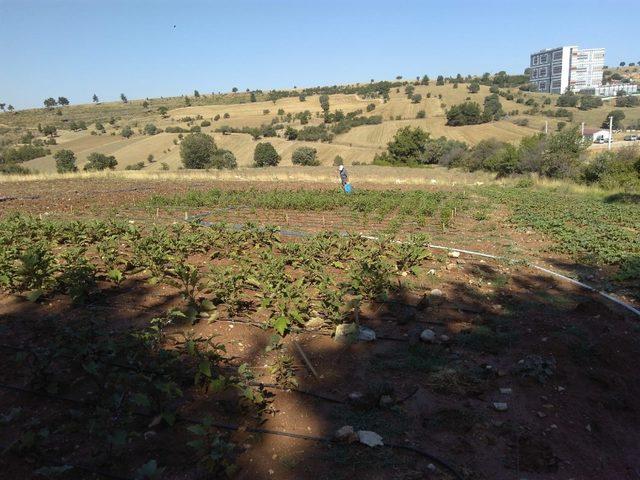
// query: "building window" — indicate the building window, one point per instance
point(557, 55)
point(542, 72)
point(555, 84)
point(543, 58)
point(534, 73)
point(535, 59)
point(557, 69)
point(542, 86)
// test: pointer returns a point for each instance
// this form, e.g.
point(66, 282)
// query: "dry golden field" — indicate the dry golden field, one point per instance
point(359, 145)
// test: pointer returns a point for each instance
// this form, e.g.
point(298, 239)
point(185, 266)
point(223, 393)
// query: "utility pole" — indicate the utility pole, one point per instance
point(546, 127)
point(610, 130)
point(582, 129)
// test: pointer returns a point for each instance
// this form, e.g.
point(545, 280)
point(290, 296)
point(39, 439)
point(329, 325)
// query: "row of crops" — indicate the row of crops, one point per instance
point(123, 381)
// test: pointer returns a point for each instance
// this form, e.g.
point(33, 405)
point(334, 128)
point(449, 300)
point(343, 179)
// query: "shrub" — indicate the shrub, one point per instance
point(568, 99)
point(587, 102)
point(126, 131)
point(371, 107)
point(618, 116)
point(216, 118)
point(627, 101)
point(164, 166)
point(416, 98)
point(474, 87)
point(305, 156)
point(205, 123)
point(135, 166)
point(100, 161)
point(492, 108)
point(222, 159)
point(421, 114)
point(150, 158)
point(338, 160)
point(561, 125)
point(195, 129)
point(196, 150)
point(265, 155)
point(65, 161)
point(290, 133)
point(150, 129)
point(23, 153)
point(226, 115)
point(614, 169)
point(467, 113)
point(315, 133)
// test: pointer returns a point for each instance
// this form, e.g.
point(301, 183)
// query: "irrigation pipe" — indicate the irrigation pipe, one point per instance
point(234, 427)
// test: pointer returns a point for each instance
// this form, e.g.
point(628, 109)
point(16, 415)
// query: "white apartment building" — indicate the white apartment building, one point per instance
point(556, 69)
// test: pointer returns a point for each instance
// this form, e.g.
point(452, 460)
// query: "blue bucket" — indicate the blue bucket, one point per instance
point(347, 188)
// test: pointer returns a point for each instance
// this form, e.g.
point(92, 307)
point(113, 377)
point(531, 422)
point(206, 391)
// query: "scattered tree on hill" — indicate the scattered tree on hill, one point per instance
point(126, 131)
point(302, 97)
point(627, 100)
point(407, 145)
point(163, 111)
point(467, 113)
point(305, 156)
point(324, 103)
point(187, 101)
point(10, 108)
point(425, 80)
point(2, 105)
point(145, 104)
point(587, 102)
point(618, 116)
point(265, 155)
point(196, 150)
point(123, 97)
point(492, 108)
point(338, 160)
point(95, 98)
point(567, 99)
point(252, 97)
point(416, 98)
point(226, 115)
point(234, 89)
point(62, 101)
point(49, 130)
point(440, 80)
point(217, 117)
point(290, 133)
point(150, 129)
point(224, 159)
point(622, 64)
point(196, 94)
point(65, 161)
point(371, 107)
point(50, 102)
point(408, 90)
point(150, 158)
point(474, 87)
point(100, 161)
point(421, 114)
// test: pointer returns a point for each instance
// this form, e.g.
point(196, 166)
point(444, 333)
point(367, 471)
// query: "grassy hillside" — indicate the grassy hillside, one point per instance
point(360, 144)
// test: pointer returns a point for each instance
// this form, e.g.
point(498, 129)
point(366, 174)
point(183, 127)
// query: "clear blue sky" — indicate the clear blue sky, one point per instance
point(75, 48)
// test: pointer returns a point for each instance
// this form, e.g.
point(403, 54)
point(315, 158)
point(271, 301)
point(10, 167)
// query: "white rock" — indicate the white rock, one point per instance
point(453, 254)
point(346, 434)
point(371, 439)
point(431, 467)
point(386, 401)
point(346, 333)
point(444, 338)
point(315, 322)
point(428, 335)
point(500, 406)
point(505, 391)
point(431, 271)
point(365, 334)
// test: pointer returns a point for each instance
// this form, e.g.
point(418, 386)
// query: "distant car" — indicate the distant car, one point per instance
point(630, 138)
point(599, 140)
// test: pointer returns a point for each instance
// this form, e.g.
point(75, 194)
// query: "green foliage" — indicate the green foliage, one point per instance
point(474, 87)
point(627, 101)
point(126, 131)
point(196, 150)
point(265, 155)
point(421, 114)
point(150, 129)
point(305, 156)
point(416, 98)
point(65, 161)
point(223, 159)
point(587, 102)
point(618, 116)
point(568, 99)
point(22, 153)
point(467, 113)
point(324, 102)
point(100, 161)
point(492, 108)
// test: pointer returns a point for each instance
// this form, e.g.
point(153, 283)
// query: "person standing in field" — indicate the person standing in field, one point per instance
point(344, 178)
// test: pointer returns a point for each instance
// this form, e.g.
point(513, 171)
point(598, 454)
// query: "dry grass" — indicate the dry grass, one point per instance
point(436, 176)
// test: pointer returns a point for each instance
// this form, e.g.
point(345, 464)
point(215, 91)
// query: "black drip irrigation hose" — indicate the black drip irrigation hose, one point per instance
point(234, 427)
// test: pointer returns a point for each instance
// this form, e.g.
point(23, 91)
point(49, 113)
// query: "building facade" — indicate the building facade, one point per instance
point(556, 69)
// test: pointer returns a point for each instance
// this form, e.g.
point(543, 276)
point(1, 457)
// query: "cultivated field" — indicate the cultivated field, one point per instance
point(236, 343)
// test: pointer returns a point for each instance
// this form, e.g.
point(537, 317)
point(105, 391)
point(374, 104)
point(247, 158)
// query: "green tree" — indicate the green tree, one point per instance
point(196, 150)
point(62, 101)
point(252, 97)
point(223, 159)
point(492, 108)
point(407, 145)
point(618, 116)
point(421, 114)
point(305, 156)
point(467, 113)
point(123, 97)
point(196, 94)
point(587, 102)
point(2, 105)
point(474, 87)
point(440, 80)
point(425, 80)
point(416, 98)
point(338, 160)
point(324, 103)
point(561, 155)
point(126, 131)
point(265, 155)
point(65, 161)
point(145, 104)
point(408, 90)
point(50, 102)
point(234, 89)
point(49, 130)
point(290, 133)
point(100, 161)
point(163, 111)
point(95, 98)
point(150, 129)
point(10, 108)
point(302, 97)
